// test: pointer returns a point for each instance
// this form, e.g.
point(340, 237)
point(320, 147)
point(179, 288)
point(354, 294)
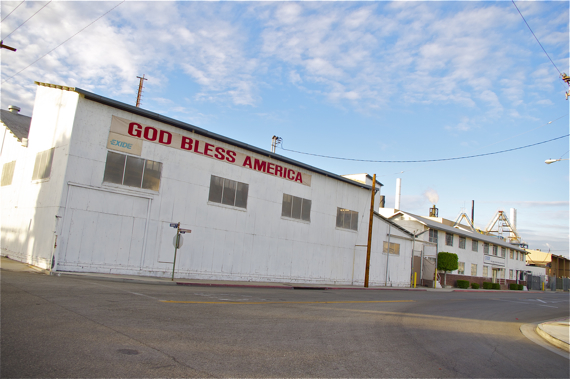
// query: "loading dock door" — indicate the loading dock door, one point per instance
point(102, 230)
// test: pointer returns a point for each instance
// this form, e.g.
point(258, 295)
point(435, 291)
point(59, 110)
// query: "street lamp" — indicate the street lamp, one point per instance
point(549, 161)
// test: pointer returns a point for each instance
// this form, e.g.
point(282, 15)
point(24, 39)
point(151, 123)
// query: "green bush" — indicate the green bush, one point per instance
point(520, 287)
point(496, 286)
point(475, 286)
point(462, 283)
point(513, 287)
point(487, 285)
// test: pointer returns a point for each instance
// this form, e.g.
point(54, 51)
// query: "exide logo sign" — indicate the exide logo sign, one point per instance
point(209, 149)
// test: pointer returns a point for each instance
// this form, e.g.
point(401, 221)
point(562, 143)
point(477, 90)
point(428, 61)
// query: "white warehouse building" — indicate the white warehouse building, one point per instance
point(95, 185)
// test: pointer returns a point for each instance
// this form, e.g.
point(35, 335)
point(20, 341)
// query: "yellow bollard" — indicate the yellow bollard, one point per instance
point(543, 286)
point(415, 277)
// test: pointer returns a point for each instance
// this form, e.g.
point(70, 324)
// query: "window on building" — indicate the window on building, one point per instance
point(522, 257)
point(473, 269)
point(495, 250)
point(503, 252)
point(485, 248)
point(42, 167)
point(433, 235)
point(517, 255)
point(296, 207)
point(346, 219)
point(228, 192)
point(132, 171)
point(485, 271)
point(449, 239)
point(462, 241)
point(461, 268)
point(394, 248)
point(511, 274)
point(474, 245)
point(512, 254)
point(8, 173)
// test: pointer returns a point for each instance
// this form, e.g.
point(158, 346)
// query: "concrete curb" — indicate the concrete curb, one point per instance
point(550, 338)
point(530, 331)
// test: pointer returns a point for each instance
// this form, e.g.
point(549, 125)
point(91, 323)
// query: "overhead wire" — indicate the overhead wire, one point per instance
point(513, 1)
point(49, 52)
point(13, 10)
point(27, 19)
point(427, 160)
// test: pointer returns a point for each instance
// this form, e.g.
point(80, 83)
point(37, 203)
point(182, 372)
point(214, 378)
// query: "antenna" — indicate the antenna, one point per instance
point(140, 90)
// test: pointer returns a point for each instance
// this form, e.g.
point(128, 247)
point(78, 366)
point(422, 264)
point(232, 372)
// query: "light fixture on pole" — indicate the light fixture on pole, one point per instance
point(549, 161)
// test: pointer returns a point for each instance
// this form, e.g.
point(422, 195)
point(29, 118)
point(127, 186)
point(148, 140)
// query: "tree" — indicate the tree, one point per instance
point(447, 262)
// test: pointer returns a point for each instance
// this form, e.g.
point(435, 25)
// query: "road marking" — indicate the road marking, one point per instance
point(284, 302)
point(117, 289)
point(550, 306)
point(541, 301)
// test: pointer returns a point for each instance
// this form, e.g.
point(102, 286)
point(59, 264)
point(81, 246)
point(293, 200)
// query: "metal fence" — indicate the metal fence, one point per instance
point(534, 282)
point(560, 284)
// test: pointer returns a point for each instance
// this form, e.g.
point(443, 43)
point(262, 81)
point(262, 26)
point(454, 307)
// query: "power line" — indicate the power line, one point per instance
point(536, 38)
point(428, 160)
point(13, 10)
point(27, 19)
point(104, 14)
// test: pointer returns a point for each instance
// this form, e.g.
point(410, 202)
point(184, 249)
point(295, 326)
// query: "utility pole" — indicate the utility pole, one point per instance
point(369, 247)
point(140, 90)
point(274, 142)
point(2, 46)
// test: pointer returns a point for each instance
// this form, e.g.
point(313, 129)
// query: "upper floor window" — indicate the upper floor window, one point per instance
point(449, 239)
point(485, 248)
point(42, 167)
point(8, 173)
point(433, 235)
point(462, 241)
point(495, 250)
point(522, 257)
point(296, 207)
point(346, 219)
point(228, 192)
point(512, 256)
point(132, 171)
point(503, 252)
point(474, 245)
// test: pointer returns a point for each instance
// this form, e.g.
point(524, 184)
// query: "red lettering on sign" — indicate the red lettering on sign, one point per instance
point(207, 148)
point(196, 146)
point(289, 173)
point(259, 165)
point(220, 153)
point(186, 143)
point(270, 168)
point(165, 137)
point(247, 162)
point(147, 133)
point(299, 178)
point(135, 129)
point(278, 170)
point(231, 156)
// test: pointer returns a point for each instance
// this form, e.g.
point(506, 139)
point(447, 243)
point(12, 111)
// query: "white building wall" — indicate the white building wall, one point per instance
point(118, 229)
point(29, 207)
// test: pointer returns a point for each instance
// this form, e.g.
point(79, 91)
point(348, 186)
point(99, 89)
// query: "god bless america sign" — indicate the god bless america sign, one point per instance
point(206, 147)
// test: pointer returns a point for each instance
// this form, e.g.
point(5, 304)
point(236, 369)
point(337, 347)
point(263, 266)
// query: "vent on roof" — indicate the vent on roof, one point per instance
point(14, 109)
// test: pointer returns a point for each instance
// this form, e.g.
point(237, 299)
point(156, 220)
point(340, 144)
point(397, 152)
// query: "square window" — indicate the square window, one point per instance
point(42, 166)
point(449, 239)
point(132, 171)
point(228, 192)
point(462, 242)
point(346, 219)
point(474, 245)
point(296, 207)
point(8, 173)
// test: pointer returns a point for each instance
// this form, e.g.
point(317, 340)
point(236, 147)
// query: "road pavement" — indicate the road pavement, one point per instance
point(79, 326)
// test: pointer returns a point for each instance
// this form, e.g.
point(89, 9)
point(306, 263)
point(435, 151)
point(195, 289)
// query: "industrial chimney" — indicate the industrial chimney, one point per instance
point(433, 211)
point(398, 190)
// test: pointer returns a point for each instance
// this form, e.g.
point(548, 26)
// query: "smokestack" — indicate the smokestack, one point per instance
point(433, 212)
point(513, 218)
point(473, 212)
point(398, 190)
point(382, 201)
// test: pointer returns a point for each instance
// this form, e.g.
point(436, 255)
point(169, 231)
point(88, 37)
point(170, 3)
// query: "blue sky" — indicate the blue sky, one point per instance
point(365, 80)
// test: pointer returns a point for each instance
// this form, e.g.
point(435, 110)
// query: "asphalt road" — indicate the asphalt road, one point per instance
point(80, 327)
